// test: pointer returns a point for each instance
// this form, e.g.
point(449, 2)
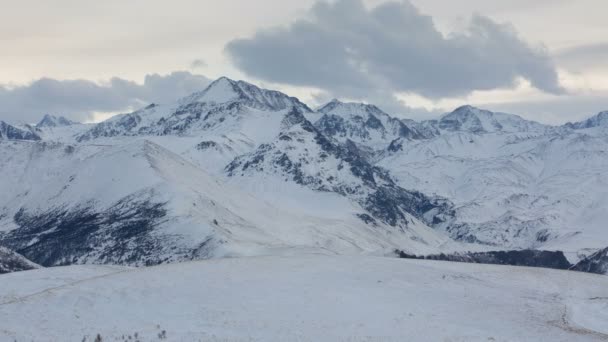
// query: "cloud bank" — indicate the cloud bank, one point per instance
point(349, 50)
point(79, 99)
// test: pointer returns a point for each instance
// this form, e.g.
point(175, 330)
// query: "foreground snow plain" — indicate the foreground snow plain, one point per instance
point(304, 298)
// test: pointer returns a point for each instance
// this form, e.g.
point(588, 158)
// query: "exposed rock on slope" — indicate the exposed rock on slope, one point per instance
point(595, 263)
point(13, 262)
point(9, 132)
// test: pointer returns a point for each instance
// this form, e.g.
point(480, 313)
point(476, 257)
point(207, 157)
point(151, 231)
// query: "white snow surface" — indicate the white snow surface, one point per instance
point(304, 298)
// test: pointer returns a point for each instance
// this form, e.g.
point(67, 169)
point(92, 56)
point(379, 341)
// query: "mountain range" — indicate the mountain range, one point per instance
point(236, 170)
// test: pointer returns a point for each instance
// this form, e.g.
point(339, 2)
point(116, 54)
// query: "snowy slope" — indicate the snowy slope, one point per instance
point(305, 298)
point(76, 204)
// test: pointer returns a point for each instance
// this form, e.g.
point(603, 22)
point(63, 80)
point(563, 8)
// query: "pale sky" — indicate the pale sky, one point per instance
point(545, 59)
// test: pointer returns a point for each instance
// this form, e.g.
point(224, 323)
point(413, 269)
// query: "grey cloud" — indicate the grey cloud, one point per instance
point(349, 50)
point(583, 56)
point(556, 110)
point(78, 99)
point(198, 63)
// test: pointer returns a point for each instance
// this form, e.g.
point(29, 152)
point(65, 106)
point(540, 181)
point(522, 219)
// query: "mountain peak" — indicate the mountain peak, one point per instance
point(54, 121)
point(475, 120)
point(338, 107)
point(463, 118)
point(599, 120)
point(219, 91)
point(226, 90)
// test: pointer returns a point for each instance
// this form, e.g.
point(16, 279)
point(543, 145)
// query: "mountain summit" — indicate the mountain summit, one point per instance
point(225, 90)
point(475, 120)
point(362, 123)
point(54, 121)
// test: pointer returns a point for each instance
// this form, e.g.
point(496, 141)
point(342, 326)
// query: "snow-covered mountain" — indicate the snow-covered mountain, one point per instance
point(301, 154)
point(223, 104)
point(239, 170)
point(475, 120)
point(525, 187)
point(364, 124)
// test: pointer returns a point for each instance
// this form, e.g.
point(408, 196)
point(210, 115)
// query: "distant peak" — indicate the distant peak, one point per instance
point(338, 107)
point(54, 121)
point(476, 120)
point(467, 111)
point(599, 120)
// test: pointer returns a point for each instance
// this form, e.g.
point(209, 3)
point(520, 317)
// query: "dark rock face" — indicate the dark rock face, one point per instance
point(595, 263)
point(122, 234)
point(395, 146)
point(10, 132)
point(529, 258)
point(13, 262)
point(204, 145)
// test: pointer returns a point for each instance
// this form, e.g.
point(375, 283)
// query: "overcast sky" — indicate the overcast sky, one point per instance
point(542, 59)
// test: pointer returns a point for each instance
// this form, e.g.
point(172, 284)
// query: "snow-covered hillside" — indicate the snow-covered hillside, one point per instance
point(137, 203)
point(304, 298)
point(239, 170)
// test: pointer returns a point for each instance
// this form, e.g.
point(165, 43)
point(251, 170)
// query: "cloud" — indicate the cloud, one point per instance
point(349, 50)
point(198, 63)
point(556, 110)
point(583, 56)
point(80, 99)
